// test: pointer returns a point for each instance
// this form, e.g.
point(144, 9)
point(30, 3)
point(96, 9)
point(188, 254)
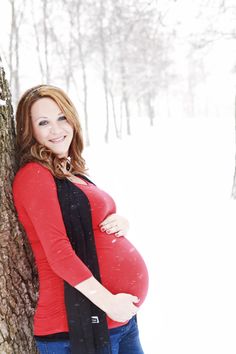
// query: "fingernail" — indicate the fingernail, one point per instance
point(108, 231)
point(103, 229)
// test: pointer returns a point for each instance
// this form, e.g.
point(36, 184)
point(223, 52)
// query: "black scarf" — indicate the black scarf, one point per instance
point(87, 323)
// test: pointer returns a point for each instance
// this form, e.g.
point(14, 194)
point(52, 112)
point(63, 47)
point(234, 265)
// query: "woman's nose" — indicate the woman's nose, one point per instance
point(55, 128)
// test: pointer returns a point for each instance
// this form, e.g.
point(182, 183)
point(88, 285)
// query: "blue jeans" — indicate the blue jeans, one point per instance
point(124, 340)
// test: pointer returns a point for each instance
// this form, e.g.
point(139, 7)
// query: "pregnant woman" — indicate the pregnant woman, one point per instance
point(92, 280)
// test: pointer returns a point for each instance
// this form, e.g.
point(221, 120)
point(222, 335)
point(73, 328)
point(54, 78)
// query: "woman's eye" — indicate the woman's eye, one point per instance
point(43, 122)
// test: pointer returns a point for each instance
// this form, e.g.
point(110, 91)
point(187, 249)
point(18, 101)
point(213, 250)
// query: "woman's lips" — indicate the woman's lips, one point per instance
point(58, 140)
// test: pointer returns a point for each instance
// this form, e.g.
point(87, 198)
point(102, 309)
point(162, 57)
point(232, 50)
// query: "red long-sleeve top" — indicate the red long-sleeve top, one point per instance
point(122, 269)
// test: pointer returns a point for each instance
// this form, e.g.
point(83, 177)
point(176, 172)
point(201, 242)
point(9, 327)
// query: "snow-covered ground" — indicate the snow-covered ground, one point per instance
point(174, 183)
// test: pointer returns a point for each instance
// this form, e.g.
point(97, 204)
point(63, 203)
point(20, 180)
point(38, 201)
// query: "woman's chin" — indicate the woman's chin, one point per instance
point(60, 154)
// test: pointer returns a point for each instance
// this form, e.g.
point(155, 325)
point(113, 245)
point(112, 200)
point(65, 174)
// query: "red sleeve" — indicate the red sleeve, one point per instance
point(35, 194)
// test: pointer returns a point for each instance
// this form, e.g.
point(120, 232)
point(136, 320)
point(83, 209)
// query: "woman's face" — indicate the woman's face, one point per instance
point(50, 126)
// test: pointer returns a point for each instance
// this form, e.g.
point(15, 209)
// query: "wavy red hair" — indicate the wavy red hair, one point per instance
point(30, 150)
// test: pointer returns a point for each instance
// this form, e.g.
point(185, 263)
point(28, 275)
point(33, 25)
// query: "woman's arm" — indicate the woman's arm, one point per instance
point(38, 208)
point(119, 307)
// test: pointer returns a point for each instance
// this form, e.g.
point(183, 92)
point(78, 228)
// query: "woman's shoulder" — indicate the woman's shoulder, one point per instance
point(32, 171)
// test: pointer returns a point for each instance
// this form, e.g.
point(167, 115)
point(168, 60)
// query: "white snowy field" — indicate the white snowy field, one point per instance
point(174, 183)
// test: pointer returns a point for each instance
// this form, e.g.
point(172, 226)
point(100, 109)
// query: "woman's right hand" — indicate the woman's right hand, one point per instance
point(119, 307)
point(122, 308)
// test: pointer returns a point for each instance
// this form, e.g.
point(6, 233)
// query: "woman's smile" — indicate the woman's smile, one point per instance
point(58, 140)
point(51, 127)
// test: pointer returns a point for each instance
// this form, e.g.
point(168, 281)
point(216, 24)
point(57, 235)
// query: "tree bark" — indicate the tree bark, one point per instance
point(18, 274)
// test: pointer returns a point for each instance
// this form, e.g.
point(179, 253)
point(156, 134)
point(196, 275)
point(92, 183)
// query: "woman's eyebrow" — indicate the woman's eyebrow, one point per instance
point(47, 117)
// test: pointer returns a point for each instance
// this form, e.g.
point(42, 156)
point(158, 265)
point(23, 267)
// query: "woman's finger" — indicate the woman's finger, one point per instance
point(113, 229)
point(110, 218)
point(120, 233)
point(113, 224)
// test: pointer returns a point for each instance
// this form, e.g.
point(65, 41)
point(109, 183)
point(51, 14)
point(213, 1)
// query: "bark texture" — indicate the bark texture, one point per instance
point(18, 274)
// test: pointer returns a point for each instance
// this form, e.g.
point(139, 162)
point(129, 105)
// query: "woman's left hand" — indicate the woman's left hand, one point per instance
point(115, 224)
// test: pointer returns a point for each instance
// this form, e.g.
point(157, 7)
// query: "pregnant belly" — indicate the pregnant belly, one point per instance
point(122, 268)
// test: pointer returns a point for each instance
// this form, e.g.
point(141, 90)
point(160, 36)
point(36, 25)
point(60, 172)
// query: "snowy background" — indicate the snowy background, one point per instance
point(173, 180)
point(176, 190)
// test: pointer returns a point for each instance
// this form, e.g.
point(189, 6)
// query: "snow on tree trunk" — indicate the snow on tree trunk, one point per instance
point(18, 275)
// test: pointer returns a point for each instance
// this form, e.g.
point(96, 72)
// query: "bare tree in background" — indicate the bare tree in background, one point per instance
point(37, 41)
point(18, 276)
point(128, 44)
point(17, 12)
point(103, 44)
point(82, 59)
point(123, 56)
point(79, 40)
point(71, 38)
point(233, 192)
point(46, 39)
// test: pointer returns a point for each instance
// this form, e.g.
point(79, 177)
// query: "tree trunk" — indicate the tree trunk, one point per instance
point(150, 108)
point(121, 117)
point(37, 42)
point(125, 95)
point(105, 68)
point(233, 193)
point(117, 130)
point(18, 275)
point(46, 42)
point(84, 73)
point(14, 50)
